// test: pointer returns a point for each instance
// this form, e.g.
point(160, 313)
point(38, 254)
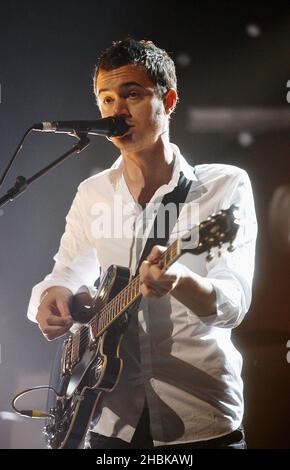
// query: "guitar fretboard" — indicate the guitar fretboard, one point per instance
point(124, 299)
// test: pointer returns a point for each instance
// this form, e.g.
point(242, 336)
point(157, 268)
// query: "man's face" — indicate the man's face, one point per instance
point(128, 91)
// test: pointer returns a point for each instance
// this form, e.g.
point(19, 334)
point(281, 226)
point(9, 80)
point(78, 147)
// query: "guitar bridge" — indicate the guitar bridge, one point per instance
point(66, 365)
point(74, 349)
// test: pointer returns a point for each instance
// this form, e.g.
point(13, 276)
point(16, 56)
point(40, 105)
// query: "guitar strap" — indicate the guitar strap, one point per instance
point(166, 218)
point(177, 196)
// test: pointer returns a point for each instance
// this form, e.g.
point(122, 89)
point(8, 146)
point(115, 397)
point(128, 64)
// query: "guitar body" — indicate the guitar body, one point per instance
point(88, 370)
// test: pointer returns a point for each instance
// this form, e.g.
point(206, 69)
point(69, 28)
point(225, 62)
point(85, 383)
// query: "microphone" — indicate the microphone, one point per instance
point(109, 126)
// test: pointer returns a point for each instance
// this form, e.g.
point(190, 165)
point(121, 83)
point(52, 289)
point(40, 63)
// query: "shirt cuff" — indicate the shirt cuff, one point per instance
point(229, 304)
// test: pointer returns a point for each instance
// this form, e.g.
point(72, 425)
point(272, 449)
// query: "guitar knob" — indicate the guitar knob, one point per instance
point(209, 256)
point(231, 248)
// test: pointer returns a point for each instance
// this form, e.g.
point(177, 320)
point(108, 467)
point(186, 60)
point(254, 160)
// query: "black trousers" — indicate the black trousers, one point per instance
point(142, 439)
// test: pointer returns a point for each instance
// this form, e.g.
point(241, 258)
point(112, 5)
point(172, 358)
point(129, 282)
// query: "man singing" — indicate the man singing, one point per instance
point(181, 385)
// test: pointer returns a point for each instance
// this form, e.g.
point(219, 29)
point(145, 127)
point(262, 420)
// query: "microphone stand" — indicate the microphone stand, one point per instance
point(21, 183)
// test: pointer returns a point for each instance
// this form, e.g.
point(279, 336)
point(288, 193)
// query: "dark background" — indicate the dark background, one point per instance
point(229, 54)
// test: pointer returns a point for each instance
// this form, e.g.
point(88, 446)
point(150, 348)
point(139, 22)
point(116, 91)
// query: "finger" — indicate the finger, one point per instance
point(52, 332)
point(155, 253)
point(148, 292)
point(53, 320)
point(150, 272)
point(155, 272)
point(48, 310)
point(144, 270)
point(63, 308)
point(53, 336)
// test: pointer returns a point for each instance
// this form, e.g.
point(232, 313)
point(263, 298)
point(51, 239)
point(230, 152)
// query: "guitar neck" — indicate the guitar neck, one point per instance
point(130, 294)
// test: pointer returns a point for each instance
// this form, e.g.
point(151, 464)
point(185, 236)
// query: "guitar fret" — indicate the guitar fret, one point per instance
point(99, 318)
point(118, 304)
point(109, 315)
point(136, 289)
point(96, 324)
point(101, 322)
point(126, 297)
point(102, 319)
point(173, 250)
point(130, 294)
point(167, 257)
point(138, 284)
point(111, 311)
point(175, 246)
point(115, 309)
point(123, 299)
point(124, 303)
point(106, 317)
point(169, 254)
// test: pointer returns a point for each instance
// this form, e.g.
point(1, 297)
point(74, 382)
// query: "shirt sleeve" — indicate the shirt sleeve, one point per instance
point(231, 273)
point(76, 262)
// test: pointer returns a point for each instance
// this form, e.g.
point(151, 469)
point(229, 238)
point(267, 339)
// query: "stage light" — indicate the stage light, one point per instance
point(183, 59)
point(245, 138)
point(253, 30)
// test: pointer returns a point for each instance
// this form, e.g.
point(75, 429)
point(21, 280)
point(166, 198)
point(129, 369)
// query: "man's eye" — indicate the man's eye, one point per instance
point(107, 100)
point(133, 94)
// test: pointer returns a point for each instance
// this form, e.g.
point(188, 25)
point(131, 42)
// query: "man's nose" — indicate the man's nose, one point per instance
point(120, 107)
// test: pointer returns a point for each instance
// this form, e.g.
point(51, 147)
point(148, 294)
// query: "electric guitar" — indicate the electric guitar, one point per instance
point(90, 361)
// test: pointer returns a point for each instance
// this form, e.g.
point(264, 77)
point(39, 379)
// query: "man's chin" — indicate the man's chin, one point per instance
point(124, 142)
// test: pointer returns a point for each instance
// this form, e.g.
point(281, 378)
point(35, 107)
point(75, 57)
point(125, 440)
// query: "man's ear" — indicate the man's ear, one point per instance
point(169, 100)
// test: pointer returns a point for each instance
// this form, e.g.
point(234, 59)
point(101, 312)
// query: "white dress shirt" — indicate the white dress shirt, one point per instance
point(188, 368)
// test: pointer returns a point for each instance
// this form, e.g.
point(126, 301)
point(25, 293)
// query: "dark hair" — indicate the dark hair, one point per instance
point(155, 61)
